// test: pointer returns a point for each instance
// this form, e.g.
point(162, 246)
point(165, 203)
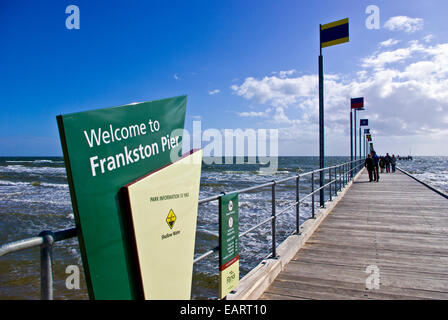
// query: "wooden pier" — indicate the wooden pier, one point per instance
point(395, 230)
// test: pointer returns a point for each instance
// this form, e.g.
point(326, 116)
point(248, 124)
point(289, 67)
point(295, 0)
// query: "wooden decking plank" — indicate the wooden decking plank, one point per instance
point(422, 294)
point(276, 296)
point(398, 225)
point(335, 292)
point(358, 275)
point(394, 266)
point(385, 256)
point(308, 294)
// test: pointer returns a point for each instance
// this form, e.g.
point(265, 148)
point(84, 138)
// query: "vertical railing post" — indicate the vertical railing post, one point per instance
point(347, 168)
point(298, 205)
point(46, 265)
point(340, 177)
point(353, 173)
point(330, 182)
point(274, 251)
point(348, 173)
point(312, 196)
point(338, 169)
point(345, 174)
point(335, 182)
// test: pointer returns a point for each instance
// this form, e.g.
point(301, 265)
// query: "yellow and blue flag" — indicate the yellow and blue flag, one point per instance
point(334, 33)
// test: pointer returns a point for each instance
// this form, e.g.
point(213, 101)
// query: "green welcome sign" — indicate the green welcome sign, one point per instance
point(105, 150)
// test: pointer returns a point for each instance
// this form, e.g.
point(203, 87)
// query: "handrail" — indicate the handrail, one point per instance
point(343, 173)
point(36, 241)
point(440, 192)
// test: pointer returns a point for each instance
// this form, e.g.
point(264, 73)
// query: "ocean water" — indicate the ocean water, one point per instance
point(34, 196)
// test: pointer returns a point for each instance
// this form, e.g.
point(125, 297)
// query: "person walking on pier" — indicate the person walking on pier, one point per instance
point(376, 173)
point(370, 165)
point(387, 161)
point(382, 164)
point(393, 162)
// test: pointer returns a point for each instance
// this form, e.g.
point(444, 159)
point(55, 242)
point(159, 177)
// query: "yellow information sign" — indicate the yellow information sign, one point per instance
point(163, 207)
point(229, 278)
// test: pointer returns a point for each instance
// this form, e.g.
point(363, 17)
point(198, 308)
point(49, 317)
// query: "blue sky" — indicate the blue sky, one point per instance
point(127, 51)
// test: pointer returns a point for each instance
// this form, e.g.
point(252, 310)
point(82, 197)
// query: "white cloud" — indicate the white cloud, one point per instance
point(286, 73)
point(382, 58)
point(214, 92)
point(389, 43)
point(404, 23)
point(405, 90)
point(278, 91)
point(176, 77)
point(428, 38)
point(253, 114)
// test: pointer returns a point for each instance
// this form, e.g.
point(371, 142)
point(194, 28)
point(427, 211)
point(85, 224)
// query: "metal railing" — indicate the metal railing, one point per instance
point(45, 240)
point(338, 176)
point(440, 192)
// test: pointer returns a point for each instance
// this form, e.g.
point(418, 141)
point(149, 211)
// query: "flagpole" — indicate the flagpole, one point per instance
point(351, 142)
point(360, 142)
point(321, 122)
point(354, 134)
point(367, 146)
point(334, 33)
point(364, 144)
